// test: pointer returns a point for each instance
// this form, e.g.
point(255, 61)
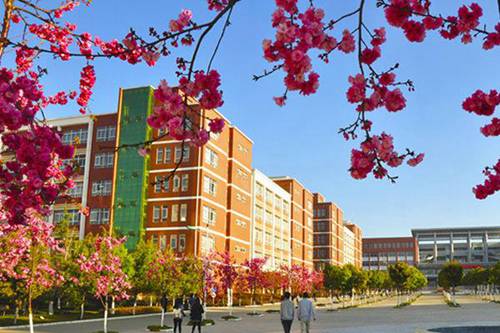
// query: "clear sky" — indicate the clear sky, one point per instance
point(301, 139)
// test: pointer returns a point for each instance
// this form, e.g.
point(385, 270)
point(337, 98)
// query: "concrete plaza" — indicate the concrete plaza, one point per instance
point(428, 312)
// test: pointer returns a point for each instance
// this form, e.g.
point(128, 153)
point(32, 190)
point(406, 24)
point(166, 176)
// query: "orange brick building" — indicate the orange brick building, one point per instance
point(214, 200)
point(301, 237)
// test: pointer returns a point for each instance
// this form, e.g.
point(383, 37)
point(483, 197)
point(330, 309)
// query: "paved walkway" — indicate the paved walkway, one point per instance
point(429, 311)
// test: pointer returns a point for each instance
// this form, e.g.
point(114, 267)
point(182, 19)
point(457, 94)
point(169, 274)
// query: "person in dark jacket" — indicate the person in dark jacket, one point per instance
point(178, 314)
point(196, 314)
point(164, 302)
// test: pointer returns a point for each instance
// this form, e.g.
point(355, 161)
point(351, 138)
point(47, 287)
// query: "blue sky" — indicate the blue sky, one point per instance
point(301, 139)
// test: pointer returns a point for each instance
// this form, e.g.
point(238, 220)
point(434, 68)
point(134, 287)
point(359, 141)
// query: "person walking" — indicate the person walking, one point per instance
point(305, 313)
point(196, 314)
point(287, 310)
point(178, 314)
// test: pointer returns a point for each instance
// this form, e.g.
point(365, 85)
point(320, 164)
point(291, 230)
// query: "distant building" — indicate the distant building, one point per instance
point(301, 220)
point(378, 253)
point(336, 242)
point(472, 247)
point(271, 221)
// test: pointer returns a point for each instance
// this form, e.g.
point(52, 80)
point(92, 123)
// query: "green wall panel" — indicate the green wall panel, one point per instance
point(132, 169)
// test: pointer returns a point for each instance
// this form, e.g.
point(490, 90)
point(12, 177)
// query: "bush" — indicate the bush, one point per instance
point(204, 322)
point(158, 328)
point(272, 311)
point(129, 310)
point(230, 317)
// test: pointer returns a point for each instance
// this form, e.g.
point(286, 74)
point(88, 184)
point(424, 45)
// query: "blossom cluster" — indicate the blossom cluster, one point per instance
point(173, 112)
point(373, 152)
point(298, 33)
point(103, 268)
point(484, 104)
point(415, 19)
point(35, 177)
point(22, 248)
point(491, 184)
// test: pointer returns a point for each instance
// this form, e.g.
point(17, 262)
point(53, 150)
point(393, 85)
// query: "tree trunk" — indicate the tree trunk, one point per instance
point(30, 312)
point(113, 305)
point(162, 320)
point(135, 305)
point(82, 308)
point(58, 303)
point(9, 6)
point(16, 312)
point(106, 315)
point(51, 308)
point(150, 300)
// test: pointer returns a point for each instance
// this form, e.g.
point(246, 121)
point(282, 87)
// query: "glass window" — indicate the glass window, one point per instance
point(209, 215)
point(211, 157)
point(175, 213)
point(183, 214)
point(168, 154)
point(99, 216)
point(176, 184)
point(71, 215)
point(156, 214)
point(104, 160)
point(164, 213)
point(209, 185)
point(163, 242)
point(101, 188)
point(105, 133)
point(159, 155)
point(76, 191)
point(179, 152)
point(182, 242)
point(173, 241)
point(184, 183)
point(75, 136)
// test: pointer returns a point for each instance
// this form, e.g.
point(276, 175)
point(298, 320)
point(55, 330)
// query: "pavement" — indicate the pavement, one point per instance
point(426, 313)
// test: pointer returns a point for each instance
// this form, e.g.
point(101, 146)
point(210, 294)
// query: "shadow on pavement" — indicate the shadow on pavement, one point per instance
point(470, 329)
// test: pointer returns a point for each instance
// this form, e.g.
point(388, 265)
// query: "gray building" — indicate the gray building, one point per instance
point(472, 247)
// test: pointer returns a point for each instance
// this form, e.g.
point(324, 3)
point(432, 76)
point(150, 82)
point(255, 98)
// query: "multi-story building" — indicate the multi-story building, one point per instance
point(328, 233)
point(336, 242)
point(471, 246)
point(378, 253)
point(94, 140)
point(301, 238)
point(205, 205)
point(213, 201)
point(271, 221)
point(352, 244)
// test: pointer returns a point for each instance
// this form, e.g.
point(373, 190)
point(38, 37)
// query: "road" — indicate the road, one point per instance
point(428, 312)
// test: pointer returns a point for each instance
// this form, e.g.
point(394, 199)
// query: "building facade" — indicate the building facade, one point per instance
point(378, 253)
point(352, 244)
point(214, 200)
point(301, 235)
point(472, 247)
point(271, 236)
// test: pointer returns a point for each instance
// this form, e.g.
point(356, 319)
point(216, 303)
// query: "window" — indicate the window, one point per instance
point(158, 184)
point(164, 213)
point(105, 133)
point(242, 173)
point(209, 185)
point(259, 213)
point(154, 239)
point(176, 184)
point(269, 240)
point(175, 213)
point(173, 241)
point(78, 160)
point(184, 183)
point(211, 157)
point(183, 214)
point(104, 160)
point(156, 214)
point(286, 208)
point(71, 215)
point(182, 242)
point(101, 188)
point(269, 197)
point(99, 216)
point(207, 244)
point(241, 197)
point(179, 153)
point(241, 223)
point(168, 154)
point(159, 155)
point(76, 191)
point(209, 215)
point(259, 190)
point(258, 235)
point(75, 136)
point(163, 242)
point(242, 149)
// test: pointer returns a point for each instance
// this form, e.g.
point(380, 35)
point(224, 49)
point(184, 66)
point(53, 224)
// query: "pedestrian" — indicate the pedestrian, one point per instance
point(164, 302)
point(178, 314)
point(196, 314)
point(191, 301)
point(305, 313)
point(287, 310)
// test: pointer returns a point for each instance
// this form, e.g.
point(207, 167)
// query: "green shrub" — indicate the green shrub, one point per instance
point(204, 322)
point(158, 328)
point(129, 310)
